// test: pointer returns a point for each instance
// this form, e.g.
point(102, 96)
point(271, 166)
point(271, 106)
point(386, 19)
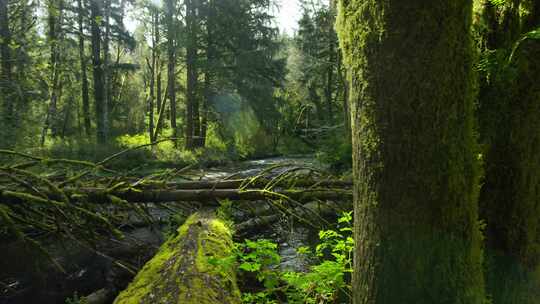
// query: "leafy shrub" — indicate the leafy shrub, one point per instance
point(326, 282)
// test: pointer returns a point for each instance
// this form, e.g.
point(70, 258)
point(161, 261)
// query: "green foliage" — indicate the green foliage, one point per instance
point(325, 282)
point(76, 300)
point(327, 279)
point(336, 151)
point(498, 2)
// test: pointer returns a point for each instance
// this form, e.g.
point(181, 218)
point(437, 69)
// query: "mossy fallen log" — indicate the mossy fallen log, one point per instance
point(258, 183)
point(182, 272)
point(103, 196)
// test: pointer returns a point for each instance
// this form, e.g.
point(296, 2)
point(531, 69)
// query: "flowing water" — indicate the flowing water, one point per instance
point(25, 280)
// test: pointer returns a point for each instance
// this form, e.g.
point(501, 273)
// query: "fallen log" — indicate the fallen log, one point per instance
point(102, 196)
point(307, 211)
point(206, 195)
point(258, 183)
point(182, 272)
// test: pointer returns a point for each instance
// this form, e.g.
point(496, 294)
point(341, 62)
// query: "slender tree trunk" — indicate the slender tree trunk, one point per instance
point(106, 70)
point(205, 103)
point(414, 153)
point(151, 67)
point(85, 97)
point(6, 101)
point(329, 90)
point(161, 115)
point(192, 77)
point(55, 15)
point(316, 100)
point(99, 99)
point(158, 62)
point(171, 65)
point(209, 72)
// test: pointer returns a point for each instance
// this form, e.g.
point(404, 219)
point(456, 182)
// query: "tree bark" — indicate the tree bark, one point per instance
point(509, 199)
point(181, 272)
point(414, 151)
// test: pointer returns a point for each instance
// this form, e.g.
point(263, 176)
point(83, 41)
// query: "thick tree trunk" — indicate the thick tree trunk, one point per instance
point(84, 77)
point(99, 98)
point(509, 199)
point(415, 165)
point(171, 54)
point(181, 272)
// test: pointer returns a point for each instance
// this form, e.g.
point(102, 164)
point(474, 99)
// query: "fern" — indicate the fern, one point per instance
point(497, 2)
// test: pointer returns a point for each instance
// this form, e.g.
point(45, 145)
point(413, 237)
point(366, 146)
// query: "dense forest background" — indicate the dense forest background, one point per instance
point(217, 76)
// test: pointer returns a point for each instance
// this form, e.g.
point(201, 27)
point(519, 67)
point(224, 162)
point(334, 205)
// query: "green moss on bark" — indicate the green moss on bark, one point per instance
point(510, 197)
point(180, 272)
point(415, 154)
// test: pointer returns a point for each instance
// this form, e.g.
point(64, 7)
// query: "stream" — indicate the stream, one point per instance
point(28, 278)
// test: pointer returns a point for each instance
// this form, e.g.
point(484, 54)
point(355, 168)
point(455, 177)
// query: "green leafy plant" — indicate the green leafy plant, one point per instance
point(498, 2)
point(76, 300)
point(326, 282)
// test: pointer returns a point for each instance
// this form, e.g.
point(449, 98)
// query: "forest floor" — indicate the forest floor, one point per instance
point(32, 281)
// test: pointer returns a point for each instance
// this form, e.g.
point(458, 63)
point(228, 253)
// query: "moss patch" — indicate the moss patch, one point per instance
point(180, 271)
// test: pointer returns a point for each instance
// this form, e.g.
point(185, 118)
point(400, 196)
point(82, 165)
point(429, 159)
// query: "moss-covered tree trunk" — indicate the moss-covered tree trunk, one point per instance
point(182, 272)
point(510, 197)
point(415, 161)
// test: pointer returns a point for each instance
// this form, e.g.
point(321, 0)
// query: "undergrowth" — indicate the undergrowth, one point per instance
point(327, 280)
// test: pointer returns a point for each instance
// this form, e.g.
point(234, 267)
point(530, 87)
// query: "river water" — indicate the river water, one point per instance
point(26, 278)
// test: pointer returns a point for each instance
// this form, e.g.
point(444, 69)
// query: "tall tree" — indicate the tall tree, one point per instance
point(106, 67)
point(509, 114)
point(85, 96)
point(96, 17)
point(7, 102)
point(414, 161)
point(192, 105)
point(171, 64)
point(55, 9)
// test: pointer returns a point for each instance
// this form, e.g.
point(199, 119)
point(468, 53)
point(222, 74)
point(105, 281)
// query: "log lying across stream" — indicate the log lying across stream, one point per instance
point(181, 272)
point(258, 183)
point(104, 196)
